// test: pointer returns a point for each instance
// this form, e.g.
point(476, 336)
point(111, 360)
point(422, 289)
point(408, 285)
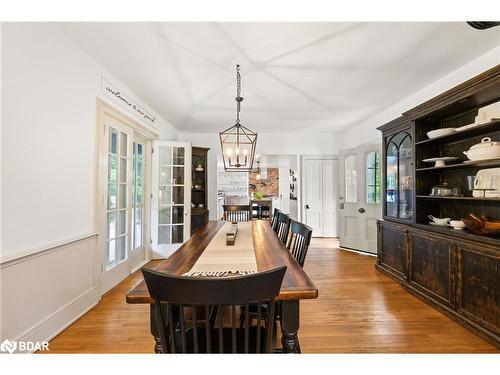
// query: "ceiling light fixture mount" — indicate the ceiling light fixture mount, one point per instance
point(238, 142)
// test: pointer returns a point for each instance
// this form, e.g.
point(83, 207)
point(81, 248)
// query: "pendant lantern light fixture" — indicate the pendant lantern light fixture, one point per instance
point(238, 142)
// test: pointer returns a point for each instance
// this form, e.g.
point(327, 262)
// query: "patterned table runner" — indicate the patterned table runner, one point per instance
point(219, 259)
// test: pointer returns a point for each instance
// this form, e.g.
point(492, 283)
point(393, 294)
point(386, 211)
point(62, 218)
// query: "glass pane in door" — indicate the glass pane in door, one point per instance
point(373, 177)
point(138, 196)
point(405, 173)
point(351, 179)
point(117, 233)
point(392, 178)
point(171, 195)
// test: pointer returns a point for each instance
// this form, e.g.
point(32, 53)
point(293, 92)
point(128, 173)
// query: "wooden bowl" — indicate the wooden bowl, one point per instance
point(482, 225)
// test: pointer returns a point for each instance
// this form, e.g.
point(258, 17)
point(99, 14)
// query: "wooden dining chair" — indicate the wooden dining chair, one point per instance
point(235, 212)
point(214, 333)
point(298, 241)
point(274, 221)
point(283, 226)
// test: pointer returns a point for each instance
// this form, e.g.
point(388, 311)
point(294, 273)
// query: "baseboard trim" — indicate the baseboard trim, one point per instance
point(58, 321)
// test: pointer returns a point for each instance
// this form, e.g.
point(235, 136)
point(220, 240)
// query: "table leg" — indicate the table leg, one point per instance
point(154, 329)
point(290, 326)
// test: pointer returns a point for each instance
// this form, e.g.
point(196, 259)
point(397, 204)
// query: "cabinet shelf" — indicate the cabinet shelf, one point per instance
point(464, 134)
point(471, 164)
point(492, 199)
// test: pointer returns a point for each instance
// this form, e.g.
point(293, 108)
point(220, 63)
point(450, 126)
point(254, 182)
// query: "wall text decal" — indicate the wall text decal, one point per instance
point(110, 91)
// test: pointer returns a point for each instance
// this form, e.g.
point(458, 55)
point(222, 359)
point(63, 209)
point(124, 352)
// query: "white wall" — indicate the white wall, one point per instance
point(48, 150)
point(49, 90)
point(367, 132)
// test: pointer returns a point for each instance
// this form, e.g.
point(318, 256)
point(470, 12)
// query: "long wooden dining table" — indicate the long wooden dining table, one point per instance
point(269, 253)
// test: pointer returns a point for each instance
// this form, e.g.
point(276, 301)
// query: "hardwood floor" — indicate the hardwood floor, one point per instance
point(359, 310)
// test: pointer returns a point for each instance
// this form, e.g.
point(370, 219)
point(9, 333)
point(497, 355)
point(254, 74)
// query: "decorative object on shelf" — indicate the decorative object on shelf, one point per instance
point(471, 180)
point(259, 195)
point(439, 221)
point(486, 150)
point(238, 142)
point(440, 132)
point(482, 225)
point(444, 190)
point(487, 183)
point(457, 224)
point(440, 162)
point(199, 168)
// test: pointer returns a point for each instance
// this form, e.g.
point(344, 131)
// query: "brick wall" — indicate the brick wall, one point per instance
point(268, 187)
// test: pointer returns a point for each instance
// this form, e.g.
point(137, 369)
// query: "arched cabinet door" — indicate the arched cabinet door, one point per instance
point(399, 172)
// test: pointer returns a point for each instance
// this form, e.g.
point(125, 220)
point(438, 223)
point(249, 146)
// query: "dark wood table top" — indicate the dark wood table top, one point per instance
point(269, 253)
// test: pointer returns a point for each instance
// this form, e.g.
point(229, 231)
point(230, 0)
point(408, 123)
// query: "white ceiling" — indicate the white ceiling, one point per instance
point(295, 76)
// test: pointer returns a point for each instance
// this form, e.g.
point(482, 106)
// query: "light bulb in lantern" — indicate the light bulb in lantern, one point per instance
point(245, 153)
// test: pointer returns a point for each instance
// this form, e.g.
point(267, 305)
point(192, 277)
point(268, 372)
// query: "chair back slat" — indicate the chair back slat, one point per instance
point(283, 226)
point(274, 221)
point(237, 212)
point(207, 329)
point(299, 241)
point(247, 328)
point(190, 311)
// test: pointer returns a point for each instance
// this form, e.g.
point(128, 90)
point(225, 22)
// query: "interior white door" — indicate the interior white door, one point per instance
point(321, 196)
point(171, 197)
point(118, 151)
point(359, 197)
point(313, 196)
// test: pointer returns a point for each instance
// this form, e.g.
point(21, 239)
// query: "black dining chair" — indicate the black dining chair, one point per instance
point(274, 220)
point(282, 226)
point(264, 212)
point(237, 212)
point(299, 240)
point(255, 211)
point(214, 333)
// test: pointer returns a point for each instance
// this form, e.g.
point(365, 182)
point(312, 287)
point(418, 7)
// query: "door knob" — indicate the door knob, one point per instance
point(361, 210)
point(307, 206)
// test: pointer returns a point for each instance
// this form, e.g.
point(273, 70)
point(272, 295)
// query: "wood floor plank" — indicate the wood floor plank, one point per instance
point(359, 310)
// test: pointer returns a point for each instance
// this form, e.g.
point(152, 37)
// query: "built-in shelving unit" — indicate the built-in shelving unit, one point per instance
point(199, 180)
point(455, 271)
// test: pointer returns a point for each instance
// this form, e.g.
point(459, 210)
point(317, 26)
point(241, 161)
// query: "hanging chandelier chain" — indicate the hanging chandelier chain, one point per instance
point(239, 99)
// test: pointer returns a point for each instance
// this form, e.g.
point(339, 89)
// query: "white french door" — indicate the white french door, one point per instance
point(321, 196)
point(124, 188)
point(139, 194)
point(359, 197)
point(171, 197)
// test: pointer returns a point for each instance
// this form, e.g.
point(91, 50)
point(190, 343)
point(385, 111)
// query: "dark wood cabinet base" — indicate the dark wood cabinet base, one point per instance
point(460, 278)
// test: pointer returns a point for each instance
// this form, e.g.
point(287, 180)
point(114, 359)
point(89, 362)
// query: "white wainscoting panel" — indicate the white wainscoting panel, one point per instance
point(43, 293)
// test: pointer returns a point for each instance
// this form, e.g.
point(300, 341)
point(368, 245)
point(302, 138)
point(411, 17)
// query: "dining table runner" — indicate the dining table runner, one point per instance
point(220, 260)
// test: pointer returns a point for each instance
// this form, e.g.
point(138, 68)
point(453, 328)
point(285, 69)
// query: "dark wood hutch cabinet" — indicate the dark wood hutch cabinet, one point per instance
point(199, 188)
point(455, 271)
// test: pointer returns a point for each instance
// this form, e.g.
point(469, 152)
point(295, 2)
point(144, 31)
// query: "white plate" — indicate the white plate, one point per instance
point(440, 132)
point(440, 162)
point(480, 160)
